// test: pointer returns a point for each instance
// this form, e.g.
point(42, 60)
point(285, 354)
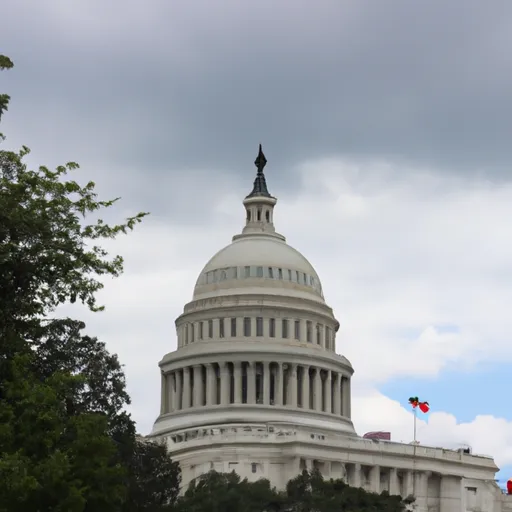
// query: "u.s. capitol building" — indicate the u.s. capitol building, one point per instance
point(256, 385)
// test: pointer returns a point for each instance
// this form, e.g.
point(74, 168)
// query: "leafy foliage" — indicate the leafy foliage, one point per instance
point(66, 443)
point(308, 492)
point(226, 492)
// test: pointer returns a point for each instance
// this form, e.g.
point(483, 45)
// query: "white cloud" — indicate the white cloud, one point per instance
point(486, 435)
point(400, 255)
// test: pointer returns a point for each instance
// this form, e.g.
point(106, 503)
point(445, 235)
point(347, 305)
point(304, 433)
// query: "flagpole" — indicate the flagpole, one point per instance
point(415, 410)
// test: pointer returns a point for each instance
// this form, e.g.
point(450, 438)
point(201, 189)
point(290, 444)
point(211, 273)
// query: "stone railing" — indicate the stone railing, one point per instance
point(277, 434)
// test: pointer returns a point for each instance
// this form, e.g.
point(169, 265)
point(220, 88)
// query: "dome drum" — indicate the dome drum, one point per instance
point(264, 383)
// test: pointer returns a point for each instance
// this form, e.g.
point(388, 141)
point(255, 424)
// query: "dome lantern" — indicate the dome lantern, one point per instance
point(259, 205)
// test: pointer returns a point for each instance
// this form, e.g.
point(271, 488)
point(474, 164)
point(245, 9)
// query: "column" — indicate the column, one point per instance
point(238, 382)
point(225, 383)
point(174, 383)
point(163, 390)
point(450, 495)
point(266, 328)
point(279, 328)
point(251, 383)
point(349, 398)
point(317, 391)
point(279, 385)
point(305, 387)
point(266, 382)
point(293, 386)
point(408, 483)
point(355, 476)
point(394, 489)
point(186, 388)
point(322, 336)
point(337, 393)
point(375, 479)
point(345, 393)
point(422, 490)
point(211, 385)
point(328, 390)
point(169, 384)
point(179, 390)
point(239, 327)
point(198, 386)
point(303, 334)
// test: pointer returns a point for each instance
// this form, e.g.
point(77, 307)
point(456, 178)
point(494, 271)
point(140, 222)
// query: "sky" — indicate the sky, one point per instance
point(386, 126)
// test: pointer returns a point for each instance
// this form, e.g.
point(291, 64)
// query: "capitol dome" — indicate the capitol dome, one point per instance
point(255, 384)
point(256, 345)
point(259, 260)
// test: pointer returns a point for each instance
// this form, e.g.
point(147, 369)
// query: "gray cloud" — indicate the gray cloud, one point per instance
point(182, 86)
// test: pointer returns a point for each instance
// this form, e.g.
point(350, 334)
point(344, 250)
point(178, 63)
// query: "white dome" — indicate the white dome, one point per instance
point(256, 261)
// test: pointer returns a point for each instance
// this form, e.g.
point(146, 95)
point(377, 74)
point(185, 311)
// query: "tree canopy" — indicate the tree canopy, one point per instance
point(66, 441)
point(308, 492)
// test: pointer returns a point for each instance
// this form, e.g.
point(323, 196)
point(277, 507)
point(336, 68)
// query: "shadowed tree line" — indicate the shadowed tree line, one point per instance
point(67, 443)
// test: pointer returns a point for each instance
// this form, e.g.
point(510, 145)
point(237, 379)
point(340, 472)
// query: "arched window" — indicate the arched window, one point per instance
point(259, 214)
point(267, 216)
point(248, 215)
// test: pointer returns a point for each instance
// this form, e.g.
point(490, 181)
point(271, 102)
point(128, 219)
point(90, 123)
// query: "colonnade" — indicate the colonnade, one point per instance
point(375, 478)
point(247, 382)
point(239, 328)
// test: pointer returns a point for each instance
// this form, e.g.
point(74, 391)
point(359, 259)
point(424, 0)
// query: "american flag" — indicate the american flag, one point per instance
point(385, 436)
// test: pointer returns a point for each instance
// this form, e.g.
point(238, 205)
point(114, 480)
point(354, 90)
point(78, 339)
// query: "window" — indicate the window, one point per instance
point(271, 272)
point(285, 328)
point(267, 216)
point(247, 271)
point(234, 272)
point(259, 271)
point(272, 327)
point(192, 332)
point(186, 334)
point(247, 326)
point(201, 330)
point(308, 332)
point(210, 328)
point(233, 327)
point(327, 337)
point(248, 215)
point(297, 276)
point(223, 275)
point(311, 280)
point(254, 467)
point(221, 327)
point(280, 273)
point(259, 214)
point(304, 279)
point(297, 329)
point(318, 335)
point(289, 275)
point(259, 326)
point(209, 277)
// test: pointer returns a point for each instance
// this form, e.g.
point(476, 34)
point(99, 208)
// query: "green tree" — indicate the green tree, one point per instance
point(309, 492)
point(153, 479)
point(227, 492)
point(66, 443)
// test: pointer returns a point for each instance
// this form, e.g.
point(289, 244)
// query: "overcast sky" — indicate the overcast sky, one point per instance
point(387, 128)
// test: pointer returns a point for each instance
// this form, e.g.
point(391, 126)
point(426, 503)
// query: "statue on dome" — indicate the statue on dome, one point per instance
point(260, 161)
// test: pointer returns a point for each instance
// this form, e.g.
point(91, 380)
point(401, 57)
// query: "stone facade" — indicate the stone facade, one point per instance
point(256, 385)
